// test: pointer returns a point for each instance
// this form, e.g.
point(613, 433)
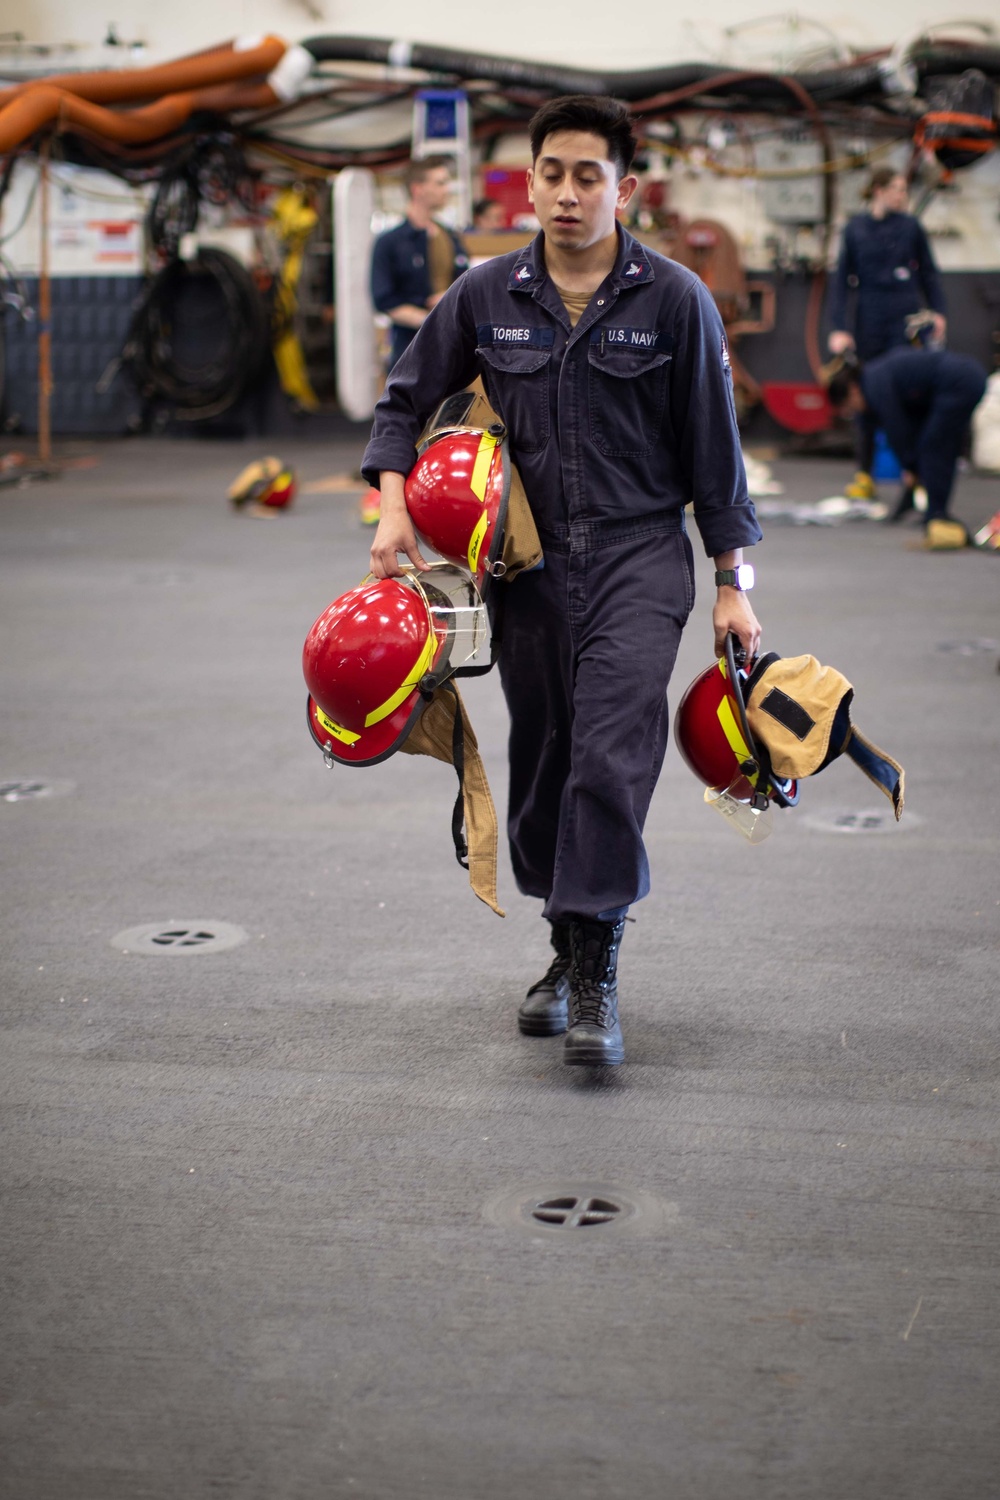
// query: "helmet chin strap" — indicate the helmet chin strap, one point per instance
point(751, 767)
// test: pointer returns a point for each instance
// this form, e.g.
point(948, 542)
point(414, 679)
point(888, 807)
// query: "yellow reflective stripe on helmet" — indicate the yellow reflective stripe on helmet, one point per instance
point(423, 664)
point(481, 467)
point(346, 736)
point(476, 540)
point(734, 735)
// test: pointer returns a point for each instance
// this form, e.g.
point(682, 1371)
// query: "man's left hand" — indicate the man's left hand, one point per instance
point(732, 612)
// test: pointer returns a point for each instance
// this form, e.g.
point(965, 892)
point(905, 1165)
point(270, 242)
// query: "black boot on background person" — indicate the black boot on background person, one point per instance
point(545, 1009)
point(594, 1036)
point(903, 506)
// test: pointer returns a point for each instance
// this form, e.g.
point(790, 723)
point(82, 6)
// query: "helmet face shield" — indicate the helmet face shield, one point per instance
point(373, 659)
point(456, 608)
point(752, 821)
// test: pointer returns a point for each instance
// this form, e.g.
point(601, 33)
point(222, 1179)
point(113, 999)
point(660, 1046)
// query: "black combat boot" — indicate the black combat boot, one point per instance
point(545, 1009)
point(594, 1036)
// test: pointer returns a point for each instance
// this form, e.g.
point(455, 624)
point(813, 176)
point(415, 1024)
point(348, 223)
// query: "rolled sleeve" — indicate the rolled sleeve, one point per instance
point(704, 418)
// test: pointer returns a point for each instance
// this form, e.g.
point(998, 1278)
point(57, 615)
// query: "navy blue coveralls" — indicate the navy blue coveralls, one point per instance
point(615, 425)
point(923, 398)
point(889, 263)
point(401, 274)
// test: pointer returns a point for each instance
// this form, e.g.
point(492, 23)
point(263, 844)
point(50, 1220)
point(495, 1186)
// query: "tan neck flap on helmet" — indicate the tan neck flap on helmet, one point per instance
point(521, 546)
point(801, 711)
point(436, 733)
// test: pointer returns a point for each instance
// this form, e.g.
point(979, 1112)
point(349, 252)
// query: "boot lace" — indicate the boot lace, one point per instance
point(592, 1005)
point(555, 971)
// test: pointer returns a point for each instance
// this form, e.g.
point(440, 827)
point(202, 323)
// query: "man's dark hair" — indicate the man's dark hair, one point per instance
point(417, 170)
point(838, 387)
point(880, 178)
point(599, 114)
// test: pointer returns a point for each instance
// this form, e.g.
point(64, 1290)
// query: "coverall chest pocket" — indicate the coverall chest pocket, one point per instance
point(517, 383)
point(628, 396)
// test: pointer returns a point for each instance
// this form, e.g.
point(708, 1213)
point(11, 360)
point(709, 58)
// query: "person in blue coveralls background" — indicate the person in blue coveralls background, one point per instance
point(924, 400)
point(609, 367)
point(886, 262)
point(414, 264)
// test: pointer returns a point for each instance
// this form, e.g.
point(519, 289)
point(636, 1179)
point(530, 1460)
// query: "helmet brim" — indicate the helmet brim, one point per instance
point(373, 744)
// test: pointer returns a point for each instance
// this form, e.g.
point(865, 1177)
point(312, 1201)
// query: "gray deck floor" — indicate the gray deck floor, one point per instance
point(259, 1227)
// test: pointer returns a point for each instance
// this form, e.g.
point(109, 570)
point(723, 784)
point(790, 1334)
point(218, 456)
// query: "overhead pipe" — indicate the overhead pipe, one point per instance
point(41, 104)
point(249, 57)
point(826, 86)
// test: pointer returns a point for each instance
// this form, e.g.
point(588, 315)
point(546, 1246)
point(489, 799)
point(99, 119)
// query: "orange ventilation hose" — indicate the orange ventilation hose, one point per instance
point(225, 64)
point(43, 105)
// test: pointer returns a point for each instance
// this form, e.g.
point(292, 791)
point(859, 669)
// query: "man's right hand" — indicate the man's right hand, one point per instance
point(395, 532)
point(840, 341)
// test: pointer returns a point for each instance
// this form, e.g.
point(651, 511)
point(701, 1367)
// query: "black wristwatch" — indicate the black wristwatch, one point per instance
point(737, 578)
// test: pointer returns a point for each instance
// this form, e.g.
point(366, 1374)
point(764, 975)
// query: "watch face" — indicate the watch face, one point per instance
point(744, 576)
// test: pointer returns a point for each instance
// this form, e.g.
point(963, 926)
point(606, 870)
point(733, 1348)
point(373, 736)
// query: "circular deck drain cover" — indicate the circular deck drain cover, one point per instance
point(588, 1209)
point(30, 789)
point(864, 820)
point(175, 938)
point(575, 1212)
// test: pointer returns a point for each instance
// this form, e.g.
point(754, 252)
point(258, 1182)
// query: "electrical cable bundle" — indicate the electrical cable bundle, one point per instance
point(199, 337)
point(212, 170)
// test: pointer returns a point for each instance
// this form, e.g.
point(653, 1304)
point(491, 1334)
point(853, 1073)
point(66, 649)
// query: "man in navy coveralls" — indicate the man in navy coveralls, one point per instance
point(608, 364)
point(414, 264)
point(886, 258)
point(924, 399)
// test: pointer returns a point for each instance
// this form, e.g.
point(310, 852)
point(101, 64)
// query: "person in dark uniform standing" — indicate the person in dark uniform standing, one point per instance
point(885, 259)
point(923, 399)
point(414, 264)
point(609, 366)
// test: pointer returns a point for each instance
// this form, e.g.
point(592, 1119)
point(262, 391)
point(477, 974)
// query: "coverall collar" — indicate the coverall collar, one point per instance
point(632, 267)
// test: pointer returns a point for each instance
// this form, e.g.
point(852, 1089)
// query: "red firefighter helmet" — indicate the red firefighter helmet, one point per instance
point(281, 491)
point(714, 738)
point(375, 656)
point(456, 494)
point(266, 482)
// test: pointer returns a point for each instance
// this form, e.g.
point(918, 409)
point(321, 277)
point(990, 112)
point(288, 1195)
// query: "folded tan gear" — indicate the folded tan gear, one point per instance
point(443, 731)
point(800, 712)
point(522, 549)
